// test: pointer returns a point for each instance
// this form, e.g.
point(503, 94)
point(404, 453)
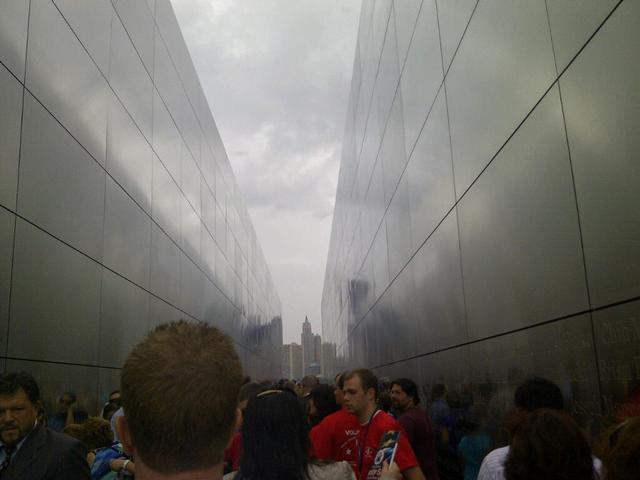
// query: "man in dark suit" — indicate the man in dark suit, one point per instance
point(28, 450)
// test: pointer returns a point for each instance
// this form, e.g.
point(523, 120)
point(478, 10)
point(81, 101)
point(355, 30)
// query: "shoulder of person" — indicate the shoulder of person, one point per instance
point(386, 420)
point(230, 476)
point(412, 416)
point(330, 419)
point(597, 466)
point(499, 455)
point(331, 470)
point(493, 464)
point(61, 440)
point(341, 417)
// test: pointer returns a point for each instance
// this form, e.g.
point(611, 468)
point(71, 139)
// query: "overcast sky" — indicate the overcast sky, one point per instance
point(277, 75)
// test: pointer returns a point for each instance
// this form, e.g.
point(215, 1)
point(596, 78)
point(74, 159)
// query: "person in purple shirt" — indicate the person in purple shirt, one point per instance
point(416, 423)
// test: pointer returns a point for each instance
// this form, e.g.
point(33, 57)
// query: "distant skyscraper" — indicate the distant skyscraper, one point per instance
point(286, 361)
point(308, 350)
point(292, 361)
point(328, 359)
point(317, 348)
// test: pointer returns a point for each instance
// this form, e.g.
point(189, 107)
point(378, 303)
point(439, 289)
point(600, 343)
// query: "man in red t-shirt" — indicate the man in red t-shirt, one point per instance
point(335, 437)
point(353, 434)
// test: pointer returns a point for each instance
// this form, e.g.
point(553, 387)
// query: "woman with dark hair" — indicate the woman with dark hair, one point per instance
point(322, 402)
point(275, 439)
point(549, 445)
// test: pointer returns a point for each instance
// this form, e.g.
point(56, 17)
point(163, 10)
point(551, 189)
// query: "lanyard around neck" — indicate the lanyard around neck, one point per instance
point(364, 442)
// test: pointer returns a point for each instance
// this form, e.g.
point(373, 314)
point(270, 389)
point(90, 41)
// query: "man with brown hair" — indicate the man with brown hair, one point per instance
point(179, 392)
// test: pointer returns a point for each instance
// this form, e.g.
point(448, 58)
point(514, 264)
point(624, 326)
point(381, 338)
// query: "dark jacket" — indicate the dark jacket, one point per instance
point(47, 455)
point(417, 425)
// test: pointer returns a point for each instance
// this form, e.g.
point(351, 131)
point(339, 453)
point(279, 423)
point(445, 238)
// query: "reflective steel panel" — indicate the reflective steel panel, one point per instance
point(512, 233)
point(600, 97)
point(11, 107)
point(128, 214)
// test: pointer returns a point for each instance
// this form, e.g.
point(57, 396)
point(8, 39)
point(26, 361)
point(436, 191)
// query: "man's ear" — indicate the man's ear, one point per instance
point(236, 425)
point(124, 434)
point(371, 394)
point(238, 422)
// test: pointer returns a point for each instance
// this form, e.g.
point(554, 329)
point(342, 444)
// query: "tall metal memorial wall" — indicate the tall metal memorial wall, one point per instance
point(118, 207)
point(487, 221)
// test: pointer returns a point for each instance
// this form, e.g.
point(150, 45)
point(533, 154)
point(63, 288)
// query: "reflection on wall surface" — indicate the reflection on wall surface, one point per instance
point(118, 207)
point(487, 223)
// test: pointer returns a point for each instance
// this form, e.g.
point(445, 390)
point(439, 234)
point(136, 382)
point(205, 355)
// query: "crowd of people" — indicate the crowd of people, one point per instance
point(186, 412)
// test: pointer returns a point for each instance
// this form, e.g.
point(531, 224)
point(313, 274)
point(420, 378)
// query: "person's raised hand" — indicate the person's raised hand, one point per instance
point(390, 472)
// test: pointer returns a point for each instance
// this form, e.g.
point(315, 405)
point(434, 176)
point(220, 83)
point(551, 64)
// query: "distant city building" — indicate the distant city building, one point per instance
point(317, 348)
point(328, 359)
point(292, 361)
point(313, 369)
point(311, 350)
point(306, 339)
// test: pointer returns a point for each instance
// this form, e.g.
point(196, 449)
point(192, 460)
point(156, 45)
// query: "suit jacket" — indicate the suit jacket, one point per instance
point(47, 455)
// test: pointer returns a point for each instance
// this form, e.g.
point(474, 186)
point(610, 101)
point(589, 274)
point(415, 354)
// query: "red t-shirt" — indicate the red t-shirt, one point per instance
point(233, 452)
point(340, 437)
point(370, 436)
point(336, 438)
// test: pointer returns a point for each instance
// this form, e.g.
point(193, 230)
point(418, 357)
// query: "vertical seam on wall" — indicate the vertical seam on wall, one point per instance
point(15, 218)
point(370, 100)
point(363, 62)
point(392, 14)
point(577, 210)
point(453, 170)
point(379, 149)
point(457, 201)
point(26, 47)
point(182, 84)
point(153, 157)
point(106, 182)
point(110, 89)
point(466, 27)
point(413, 33)
point(345, 342)
point(410, 153)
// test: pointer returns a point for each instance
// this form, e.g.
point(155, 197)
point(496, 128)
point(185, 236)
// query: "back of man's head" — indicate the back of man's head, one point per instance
point(535, 393)
point(179, 391)
point(310, 381)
